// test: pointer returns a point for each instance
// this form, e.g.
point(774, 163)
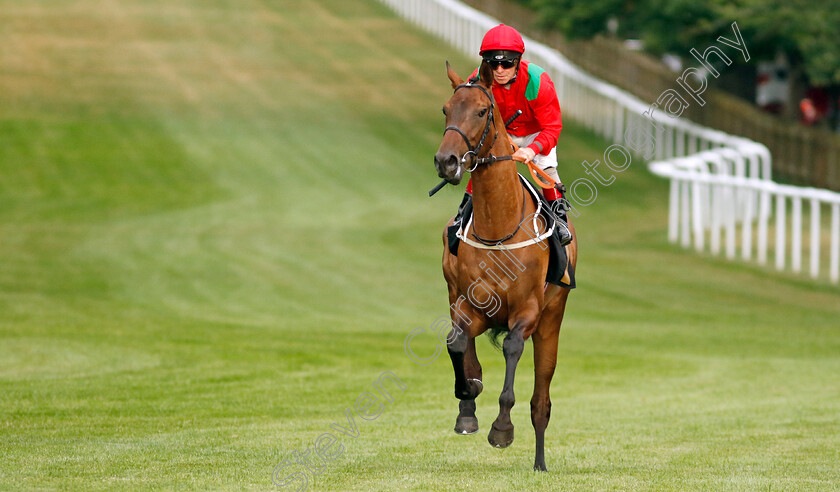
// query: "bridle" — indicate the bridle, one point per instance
point(487, 124)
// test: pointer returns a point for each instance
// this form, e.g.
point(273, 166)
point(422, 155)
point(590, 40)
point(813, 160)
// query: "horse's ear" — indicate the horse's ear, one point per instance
point(453, 77)
point(485, 72)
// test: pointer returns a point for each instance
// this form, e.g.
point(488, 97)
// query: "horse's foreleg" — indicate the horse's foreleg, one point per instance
point(457, 344)
point(467, 422)
point(501, 433)
point(545, 361)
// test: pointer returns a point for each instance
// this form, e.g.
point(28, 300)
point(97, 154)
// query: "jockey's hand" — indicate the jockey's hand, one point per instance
point(524, 154)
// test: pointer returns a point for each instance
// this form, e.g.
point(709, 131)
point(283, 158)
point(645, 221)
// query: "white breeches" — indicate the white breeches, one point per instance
point(547, 163)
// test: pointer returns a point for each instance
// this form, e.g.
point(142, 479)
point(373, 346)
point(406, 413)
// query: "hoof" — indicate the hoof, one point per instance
point(500, 438)
point(540, 467)
point(466, 425)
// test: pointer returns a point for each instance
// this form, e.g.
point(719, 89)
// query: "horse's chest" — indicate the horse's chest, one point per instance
point(495, 290)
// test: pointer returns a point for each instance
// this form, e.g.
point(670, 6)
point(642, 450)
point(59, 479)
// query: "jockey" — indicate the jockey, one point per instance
point(521, 85)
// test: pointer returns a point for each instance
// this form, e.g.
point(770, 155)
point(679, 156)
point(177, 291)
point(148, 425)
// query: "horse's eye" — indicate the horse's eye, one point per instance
point(482, 113)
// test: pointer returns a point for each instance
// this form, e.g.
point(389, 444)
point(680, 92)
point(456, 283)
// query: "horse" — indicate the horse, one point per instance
point(515, 296)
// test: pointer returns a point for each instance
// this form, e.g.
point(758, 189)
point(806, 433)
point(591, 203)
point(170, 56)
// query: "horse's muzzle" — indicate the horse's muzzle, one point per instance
point(448, 167)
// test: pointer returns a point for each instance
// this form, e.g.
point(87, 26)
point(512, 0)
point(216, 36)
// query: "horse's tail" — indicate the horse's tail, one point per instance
point(493, 335)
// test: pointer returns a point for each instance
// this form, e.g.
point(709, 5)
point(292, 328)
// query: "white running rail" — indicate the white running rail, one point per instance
point(719, 182)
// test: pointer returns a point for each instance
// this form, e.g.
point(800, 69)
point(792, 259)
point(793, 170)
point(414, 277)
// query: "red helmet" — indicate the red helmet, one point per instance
point(502, 37)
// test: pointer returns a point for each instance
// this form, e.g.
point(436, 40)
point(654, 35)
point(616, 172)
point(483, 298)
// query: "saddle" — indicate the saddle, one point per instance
point(560, 271)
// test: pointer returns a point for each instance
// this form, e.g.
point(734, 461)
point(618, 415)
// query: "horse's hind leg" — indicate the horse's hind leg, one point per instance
point(467, 423)
point(501, 433)
point(545, 361)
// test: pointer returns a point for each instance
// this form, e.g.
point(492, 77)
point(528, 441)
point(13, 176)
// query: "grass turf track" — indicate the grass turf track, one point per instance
point(214, 236)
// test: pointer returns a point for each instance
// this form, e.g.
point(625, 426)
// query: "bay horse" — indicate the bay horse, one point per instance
point(515, 298)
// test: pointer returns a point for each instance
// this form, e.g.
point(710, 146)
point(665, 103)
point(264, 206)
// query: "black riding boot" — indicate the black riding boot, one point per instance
point(558, 208)
point(459, 216)
point(464, 209)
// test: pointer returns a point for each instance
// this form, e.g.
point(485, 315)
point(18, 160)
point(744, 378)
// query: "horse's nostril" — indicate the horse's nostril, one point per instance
point(444, 162)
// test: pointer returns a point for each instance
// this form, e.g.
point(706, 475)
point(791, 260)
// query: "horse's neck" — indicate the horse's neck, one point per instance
point(497, 195)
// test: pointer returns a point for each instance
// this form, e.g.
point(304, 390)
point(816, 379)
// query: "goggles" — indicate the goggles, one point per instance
point(506, 64)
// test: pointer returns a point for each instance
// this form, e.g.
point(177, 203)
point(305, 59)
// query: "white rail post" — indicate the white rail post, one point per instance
point(796, 234)
point(731, 194)
point(697, 216)
point(780, 231)
point(716, 197)
point(815, 238)
point(747, 226)
point(685, 209)
point(763, 219)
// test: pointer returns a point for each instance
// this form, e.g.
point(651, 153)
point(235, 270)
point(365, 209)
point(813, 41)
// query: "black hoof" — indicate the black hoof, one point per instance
point(540, 467)
point(466, 425)
point(500, 438)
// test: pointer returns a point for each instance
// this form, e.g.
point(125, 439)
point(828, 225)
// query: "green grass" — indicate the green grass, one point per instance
point(215, 236)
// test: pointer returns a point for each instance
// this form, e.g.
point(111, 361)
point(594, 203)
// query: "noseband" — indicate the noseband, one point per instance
point(487, 124)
